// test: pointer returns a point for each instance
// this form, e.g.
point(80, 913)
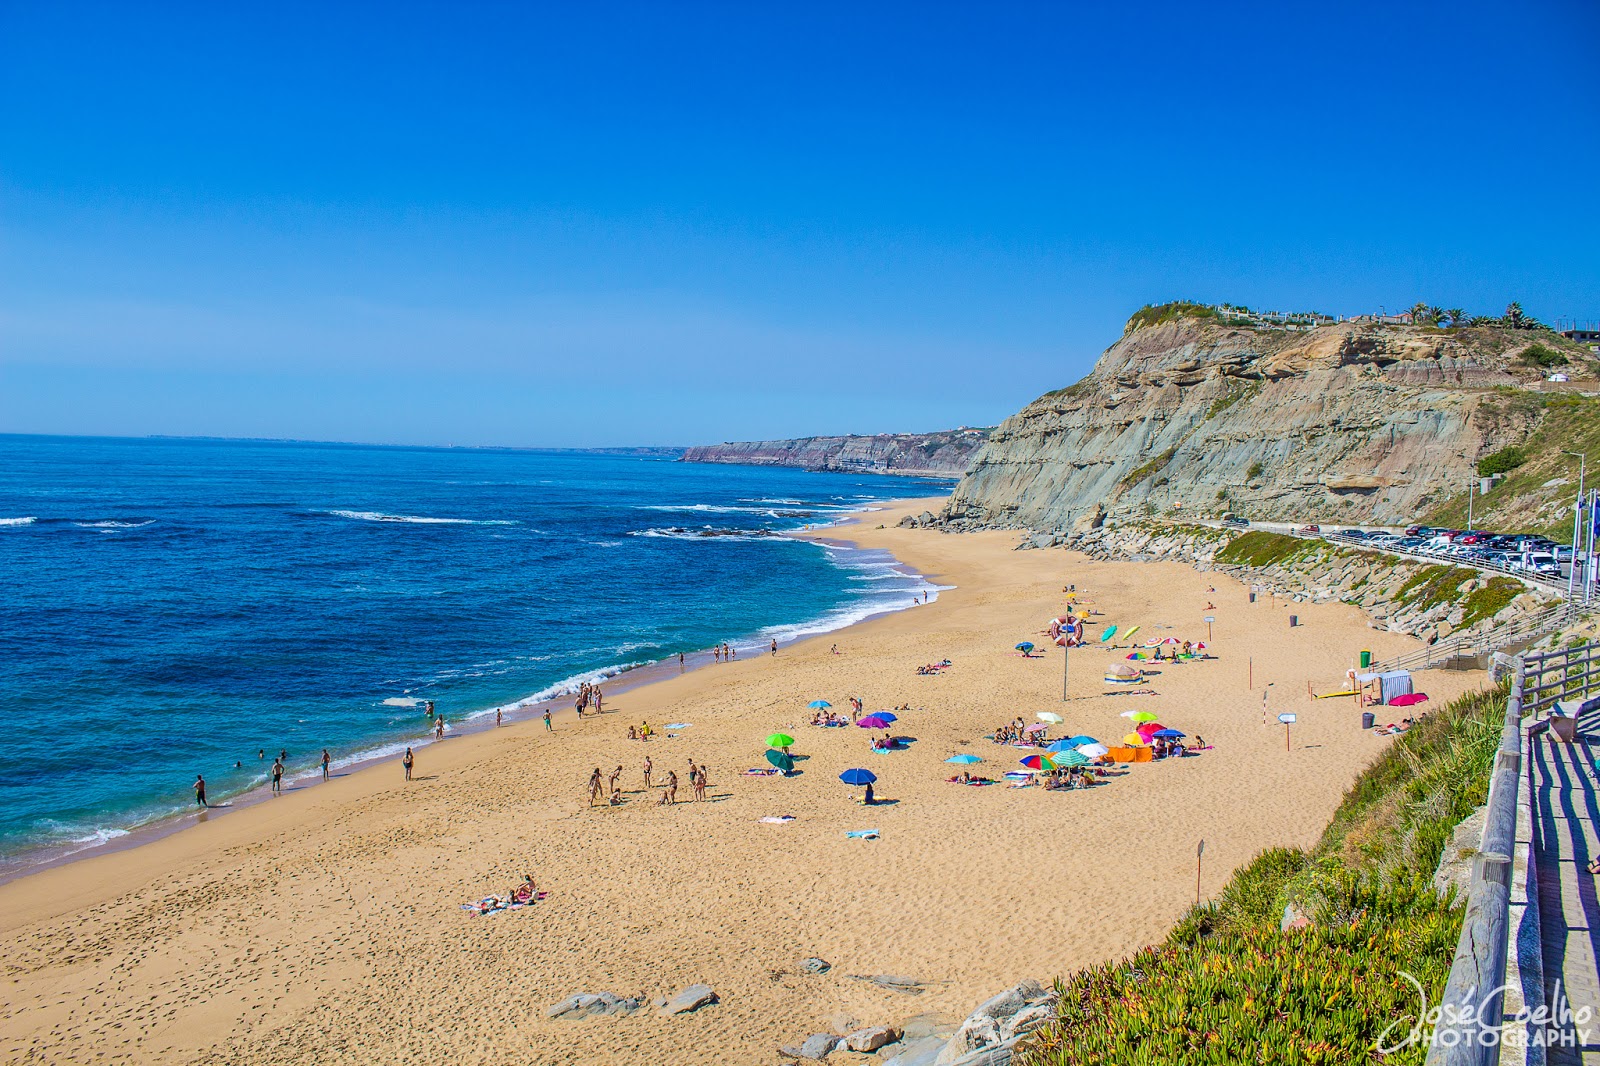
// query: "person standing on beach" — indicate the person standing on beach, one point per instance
point(497, 716)
point(716, 652)
point(326, 759)
point(729, 653)
point(200, 791)
point(438, 733)
point(680, 660)
point(406, 762)
point(277, 776)
point(612, 783)
point(773, 647)
point(647, 767)
point(548, 728)
point(670, 796)
point(594, 786)
point(599, 699)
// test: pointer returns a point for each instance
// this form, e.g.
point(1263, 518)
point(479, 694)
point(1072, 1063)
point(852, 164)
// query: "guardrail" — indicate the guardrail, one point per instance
point(1426, 554)
point(1484, 643)
point(1469, 1032)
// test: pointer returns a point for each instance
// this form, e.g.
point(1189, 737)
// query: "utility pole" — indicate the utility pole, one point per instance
point(1471, 482)
point(1577, 516)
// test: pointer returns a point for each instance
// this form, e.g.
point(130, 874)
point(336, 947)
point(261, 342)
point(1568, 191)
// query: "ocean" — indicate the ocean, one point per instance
point(179, 607)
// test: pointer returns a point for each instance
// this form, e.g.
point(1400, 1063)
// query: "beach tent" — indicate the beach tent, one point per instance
point(1391, 684)
point(1124, 674)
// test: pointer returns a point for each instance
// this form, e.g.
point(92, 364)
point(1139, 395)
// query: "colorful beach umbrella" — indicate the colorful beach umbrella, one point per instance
point(1050, 716)
point(1168, 734)
point(872, 721)
point(1137, 656)
point(1025, 646)
point(819, 705)
point(1143, 716)
point(1409, 699)
point(780, 760)
point(1149, 729)
point(965, 759)
point(1108, 633)
point(1093, 751)
point(1059, 746)
point(1071, 758)
point(779, 740)
point(858, 776)
point(1134, 739)
point(1039, 762)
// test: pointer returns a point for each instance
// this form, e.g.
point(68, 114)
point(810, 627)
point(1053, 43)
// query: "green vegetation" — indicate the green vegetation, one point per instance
point(1543, 357)
point(1137, 475)
point(1490, 600)
point(1155, 314)
point(1260, 548)
point(1254, 471)
point(1237, 390)
point(1228, 985)
point(1500, 462)
point(1525, 501)
point(1432, 585)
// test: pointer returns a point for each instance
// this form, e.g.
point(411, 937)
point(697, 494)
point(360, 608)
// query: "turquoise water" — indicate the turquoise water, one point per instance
point(173, 608)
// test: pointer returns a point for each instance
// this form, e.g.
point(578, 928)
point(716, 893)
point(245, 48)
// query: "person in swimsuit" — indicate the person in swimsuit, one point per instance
point(614, 775)
point(548, 728)
point(773, 647)
point(406, 762)
point(497, 717)
point(647, 767)
point(670, 796)
point(326, 759)
point(277, 776)
point(200, 791)
point(594, 786)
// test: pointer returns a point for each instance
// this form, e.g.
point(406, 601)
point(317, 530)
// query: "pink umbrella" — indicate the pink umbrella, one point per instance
point(1037, 727)
point(872, 721)
point(1145, 729)
point(1408, 699)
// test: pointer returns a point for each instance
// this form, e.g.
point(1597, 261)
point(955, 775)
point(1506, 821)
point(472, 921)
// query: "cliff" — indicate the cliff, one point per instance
point(945, 454)
point(1188, 416)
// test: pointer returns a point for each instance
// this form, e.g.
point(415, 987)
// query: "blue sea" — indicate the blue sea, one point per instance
point(174, 607)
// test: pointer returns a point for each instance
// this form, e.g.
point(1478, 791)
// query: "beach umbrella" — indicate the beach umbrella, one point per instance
point(1025, 646)
point(1049, 716)
point(964, 759)
point(780, 760)
point(858, 776)
point(1168, 734)
point(1149, 729)
point(779, 740)
point(1037, 727)
point(1081, 739)
point(1071, 758)
point(1143, 716)
point(872, 721)
point(1124, 674)
point(1137, 656)
point(1171, 640)
point(1128, 633)
point(1409, 699)
point(1201, 646)
point(1134, 739)
point(1039, 762)
point(1156, 643)
point(1108, 633)
point(1093, 751)
point(819, 705)
point(885, 715)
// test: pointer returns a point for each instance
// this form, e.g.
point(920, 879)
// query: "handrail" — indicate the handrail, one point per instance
point(1490, 640)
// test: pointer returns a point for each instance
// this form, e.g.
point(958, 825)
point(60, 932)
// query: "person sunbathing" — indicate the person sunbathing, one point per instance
point(633, 733)
point(525, 892)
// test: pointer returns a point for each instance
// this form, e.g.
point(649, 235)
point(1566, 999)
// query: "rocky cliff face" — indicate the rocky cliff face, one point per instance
point(1188, 417)
point(945, 454)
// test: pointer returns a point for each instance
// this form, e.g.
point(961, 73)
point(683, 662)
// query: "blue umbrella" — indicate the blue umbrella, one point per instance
point(819, 705)
point(1075, 741)
point(858, 777)
point(1025, 646)
point(1167, 734)
point(1061, 745)
point(885, 716)
point(964, 758)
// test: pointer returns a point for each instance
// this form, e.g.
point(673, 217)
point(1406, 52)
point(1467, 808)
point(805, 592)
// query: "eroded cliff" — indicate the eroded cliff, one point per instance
point(1348, 422)
point(944, 454)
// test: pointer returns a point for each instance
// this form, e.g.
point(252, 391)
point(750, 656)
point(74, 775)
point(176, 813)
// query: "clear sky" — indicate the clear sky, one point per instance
point(589, 224)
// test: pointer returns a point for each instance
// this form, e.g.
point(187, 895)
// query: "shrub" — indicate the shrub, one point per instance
point(1260, 548)
point(1544, 357)
point(1506, 459)
point(1254, 471)
point(1137, 475)
point(1155, 314)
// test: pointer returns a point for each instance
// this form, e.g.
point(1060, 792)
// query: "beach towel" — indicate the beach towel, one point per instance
point(861, 834)
point(492, 905)
point(778, 819)
point(759, 771)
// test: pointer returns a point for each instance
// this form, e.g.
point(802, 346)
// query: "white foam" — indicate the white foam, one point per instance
point(401, 701)
point(115, 525)
point(569, 685)
point(100, 836)
point(380, 516)
point(706, 533)
point(27, 521)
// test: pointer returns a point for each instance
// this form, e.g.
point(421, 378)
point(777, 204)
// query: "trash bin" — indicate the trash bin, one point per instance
point(1252, 597)
point(1367, 719)
point(1366, 659)
point(1294, 620)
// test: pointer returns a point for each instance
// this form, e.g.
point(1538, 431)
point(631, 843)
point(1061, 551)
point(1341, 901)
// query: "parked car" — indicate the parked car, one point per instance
point(1417, 531)
point(1311, 529)
point(1356, 533)
point(1235, 520)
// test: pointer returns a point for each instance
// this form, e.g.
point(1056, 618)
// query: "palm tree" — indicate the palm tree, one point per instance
point(1513, 316)
point(1456, 315)
point(1435, 315)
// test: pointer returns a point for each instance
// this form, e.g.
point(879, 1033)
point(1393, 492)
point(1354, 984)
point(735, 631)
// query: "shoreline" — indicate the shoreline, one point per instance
point(334, 912)
point(620, 680)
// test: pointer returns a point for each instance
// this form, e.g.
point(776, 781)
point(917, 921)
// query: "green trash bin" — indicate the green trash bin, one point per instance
point(1366, 659)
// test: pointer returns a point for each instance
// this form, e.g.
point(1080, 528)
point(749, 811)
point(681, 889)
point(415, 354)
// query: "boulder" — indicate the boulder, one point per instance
point(1090, 519)
point(872, 1038)
point(691, 998)
point(815, 965)
point(908, 985)
point(982, 1029)
point(816, 1047)
point(921, 1052)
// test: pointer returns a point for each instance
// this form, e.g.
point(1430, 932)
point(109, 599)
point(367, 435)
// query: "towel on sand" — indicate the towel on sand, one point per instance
point(780, 819)
point(861, 834)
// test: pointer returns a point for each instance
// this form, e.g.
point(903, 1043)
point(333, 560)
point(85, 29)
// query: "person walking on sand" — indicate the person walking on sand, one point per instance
point(594, 786)
point(438, 731)
point(599, 700)
point(498, 714)
point(772, 649)
point(407, 761)
point(326, 759)
point(548, 728)
point(647, 767)
point(716, 652)
point(614, 775)
point(670, 796)
point(680, 660)
point(698, 781)
point(200, 791)
point(277, 776)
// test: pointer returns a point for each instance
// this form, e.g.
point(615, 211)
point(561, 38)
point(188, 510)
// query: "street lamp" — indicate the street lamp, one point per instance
point(1577, 514)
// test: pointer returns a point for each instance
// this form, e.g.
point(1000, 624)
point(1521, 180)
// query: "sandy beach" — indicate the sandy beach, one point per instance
point(325, 927)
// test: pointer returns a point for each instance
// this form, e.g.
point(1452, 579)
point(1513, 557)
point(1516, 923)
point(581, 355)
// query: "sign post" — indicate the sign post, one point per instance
point(1064, 657)
point(1287, 720)
point(1209, 620)
point(1198, 852)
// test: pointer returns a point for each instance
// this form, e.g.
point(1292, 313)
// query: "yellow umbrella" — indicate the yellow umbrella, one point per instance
point(1134, 740)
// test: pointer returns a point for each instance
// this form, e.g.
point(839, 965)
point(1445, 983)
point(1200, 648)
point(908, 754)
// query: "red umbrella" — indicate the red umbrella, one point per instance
point(1408, 699)
point(1145, 729)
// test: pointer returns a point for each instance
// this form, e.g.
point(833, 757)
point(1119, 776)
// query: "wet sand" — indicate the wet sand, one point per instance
point(324, 926)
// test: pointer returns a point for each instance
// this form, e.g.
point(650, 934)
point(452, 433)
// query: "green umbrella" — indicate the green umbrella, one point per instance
point(780, 760)
point(779, 740)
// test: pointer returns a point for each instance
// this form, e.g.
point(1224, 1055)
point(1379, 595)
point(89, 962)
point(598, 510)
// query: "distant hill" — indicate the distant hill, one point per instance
point(943, 454)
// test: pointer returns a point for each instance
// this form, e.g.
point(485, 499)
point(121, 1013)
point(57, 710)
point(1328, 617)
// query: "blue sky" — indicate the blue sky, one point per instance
point(677, 223)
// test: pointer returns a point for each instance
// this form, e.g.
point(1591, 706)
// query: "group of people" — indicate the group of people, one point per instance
point(933, 668)
point(1012, 732)
point(520, 896)
point(641, 732)
point(589, 695)
point(608, 791)
point(829, 719)
point(726, 653)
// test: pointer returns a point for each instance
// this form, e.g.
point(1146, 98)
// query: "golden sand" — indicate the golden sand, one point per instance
point(324, 927)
